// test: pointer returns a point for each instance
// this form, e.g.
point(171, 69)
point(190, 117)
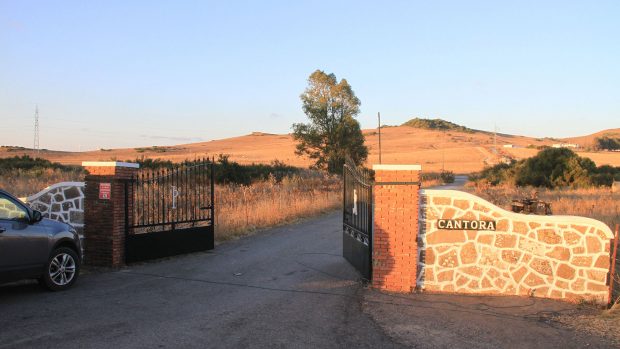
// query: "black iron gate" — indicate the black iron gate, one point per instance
point(169, 211)
point(357, 218)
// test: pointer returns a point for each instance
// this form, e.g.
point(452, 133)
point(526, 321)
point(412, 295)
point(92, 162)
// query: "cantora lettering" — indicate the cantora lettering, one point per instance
point(461, 224)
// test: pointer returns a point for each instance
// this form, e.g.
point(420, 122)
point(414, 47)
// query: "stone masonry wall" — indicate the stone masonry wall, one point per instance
point(62, 202)
point(544, 256)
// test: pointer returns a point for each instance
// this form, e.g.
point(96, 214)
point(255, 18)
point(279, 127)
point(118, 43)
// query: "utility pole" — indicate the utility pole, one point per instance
point(35, 147)
point(379, 118)
point(443, 152)
point(495, 138)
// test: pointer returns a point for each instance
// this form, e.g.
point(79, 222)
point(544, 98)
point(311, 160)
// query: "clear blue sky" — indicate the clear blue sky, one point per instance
point(137, 73)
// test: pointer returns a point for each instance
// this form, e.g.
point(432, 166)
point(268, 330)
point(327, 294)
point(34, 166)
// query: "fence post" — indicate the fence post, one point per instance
point(105, 203)
point(614, 261)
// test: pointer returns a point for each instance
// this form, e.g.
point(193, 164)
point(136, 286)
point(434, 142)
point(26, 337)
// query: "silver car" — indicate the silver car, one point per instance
point(33, 247)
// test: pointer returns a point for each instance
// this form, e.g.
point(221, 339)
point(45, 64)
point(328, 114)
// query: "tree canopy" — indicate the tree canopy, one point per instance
point(607, 143)
point(551, 168)
point(333, 132)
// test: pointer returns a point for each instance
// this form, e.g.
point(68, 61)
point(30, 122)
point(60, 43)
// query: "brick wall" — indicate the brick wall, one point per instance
point(104, 220)
point(395, 227)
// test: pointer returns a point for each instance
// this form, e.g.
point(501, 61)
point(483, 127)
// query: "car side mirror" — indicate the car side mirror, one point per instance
point(36, 216)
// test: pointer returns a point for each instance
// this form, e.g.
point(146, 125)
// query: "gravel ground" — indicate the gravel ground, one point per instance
point(465, 321)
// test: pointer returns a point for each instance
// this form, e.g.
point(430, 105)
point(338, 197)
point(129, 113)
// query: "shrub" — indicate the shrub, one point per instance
point(231, 172)
point(607, 143)
point(551, 168)
point(23, 175)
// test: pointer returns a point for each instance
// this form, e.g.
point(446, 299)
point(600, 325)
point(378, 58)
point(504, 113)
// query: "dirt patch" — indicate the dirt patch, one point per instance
point(604, 323)
point(466, 321)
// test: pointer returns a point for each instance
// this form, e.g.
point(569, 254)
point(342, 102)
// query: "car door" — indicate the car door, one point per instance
point(23, 246)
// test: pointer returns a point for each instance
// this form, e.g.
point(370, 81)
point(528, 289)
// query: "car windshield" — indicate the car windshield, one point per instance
point(9, 210)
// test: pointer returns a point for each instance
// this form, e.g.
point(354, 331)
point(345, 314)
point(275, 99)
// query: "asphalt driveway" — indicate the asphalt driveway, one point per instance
point(285, 287)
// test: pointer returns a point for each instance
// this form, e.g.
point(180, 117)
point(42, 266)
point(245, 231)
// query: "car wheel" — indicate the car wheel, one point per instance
point(61, 270)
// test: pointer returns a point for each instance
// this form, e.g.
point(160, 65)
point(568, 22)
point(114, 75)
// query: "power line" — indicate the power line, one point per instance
point(379, 118)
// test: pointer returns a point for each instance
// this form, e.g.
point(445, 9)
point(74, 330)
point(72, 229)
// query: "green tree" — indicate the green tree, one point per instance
point(333, 132)
point(556, 167)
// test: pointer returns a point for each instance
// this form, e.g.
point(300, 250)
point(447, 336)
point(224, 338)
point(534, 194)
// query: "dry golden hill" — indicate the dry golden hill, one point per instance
point(589, 140)
point(461, 152)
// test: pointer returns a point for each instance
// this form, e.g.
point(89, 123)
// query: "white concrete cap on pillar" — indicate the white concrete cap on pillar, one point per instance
point(397, 167)
point(110, 164)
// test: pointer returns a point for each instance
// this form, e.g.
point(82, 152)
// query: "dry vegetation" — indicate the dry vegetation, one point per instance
point(23, 183)
point(604, 324)
point(597, 203)
point(242, 209)
point(460, 152)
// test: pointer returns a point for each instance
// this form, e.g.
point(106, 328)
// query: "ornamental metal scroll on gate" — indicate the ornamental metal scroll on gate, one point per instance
point(357, 217)
point(170, 211)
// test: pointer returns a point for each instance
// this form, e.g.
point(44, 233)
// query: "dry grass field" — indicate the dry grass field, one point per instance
point(597, 203)
point(22, 183)
point(460, 152)
point(240, 210)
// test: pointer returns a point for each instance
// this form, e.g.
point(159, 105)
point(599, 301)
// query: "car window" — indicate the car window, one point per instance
point(9, 210)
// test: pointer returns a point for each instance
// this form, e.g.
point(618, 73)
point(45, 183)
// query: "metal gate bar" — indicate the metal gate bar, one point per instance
point(357, 218)
point(170, 211)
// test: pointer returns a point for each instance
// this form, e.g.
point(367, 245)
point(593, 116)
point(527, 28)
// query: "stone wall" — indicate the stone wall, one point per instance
point(544, 256)
point(62, 202)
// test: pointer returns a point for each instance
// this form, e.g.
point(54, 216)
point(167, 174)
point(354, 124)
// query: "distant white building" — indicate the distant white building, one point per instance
point(565, 145)
point(509, 146)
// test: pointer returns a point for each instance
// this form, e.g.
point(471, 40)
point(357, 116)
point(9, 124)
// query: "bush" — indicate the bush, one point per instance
point(447, 176)
point(231, 172)
point(27, 163)
point(23, 176)
point(443, 177)
point(607, 143)
point(551, 168)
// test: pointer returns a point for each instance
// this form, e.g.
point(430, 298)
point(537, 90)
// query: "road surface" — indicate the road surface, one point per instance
point(287, 287)
point(459, 182)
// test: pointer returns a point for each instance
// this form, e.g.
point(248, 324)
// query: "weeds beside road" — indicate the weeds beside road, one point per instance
point(597, 203)
point(242, 209)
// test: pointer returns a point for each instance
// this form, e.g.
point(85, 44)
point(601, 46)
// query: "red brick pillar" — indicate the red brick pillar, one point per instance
point(394, 254)
point(104, 212)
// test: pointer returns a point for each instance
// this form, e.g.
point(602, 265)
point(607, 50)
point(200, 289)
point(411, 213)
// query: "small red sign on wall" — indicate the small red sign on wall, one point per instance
point(105, 191)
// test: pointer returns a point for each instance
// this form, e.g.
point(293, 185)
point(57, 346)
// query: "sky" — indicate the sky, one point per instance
point(108, 74)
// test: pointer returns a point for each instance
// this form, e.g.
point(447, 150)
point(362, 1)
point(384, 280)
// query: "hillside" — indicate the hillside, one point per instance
point(589, 140)
point(436, 124)
point(458, 151)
